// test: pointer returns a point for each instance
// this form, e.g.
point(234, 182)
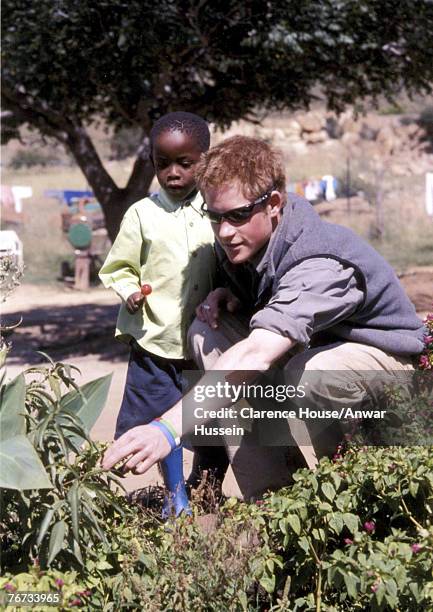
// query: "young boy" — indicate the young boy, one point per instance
point(165, 242)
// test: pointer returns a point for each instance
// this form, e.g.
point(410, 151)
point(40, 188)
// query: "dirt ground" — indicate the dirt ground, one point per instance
point(77, 327)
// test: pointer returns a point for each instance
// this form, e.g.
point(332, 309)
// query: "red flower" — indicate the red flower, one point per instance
point(416, 548)
point(424, 362)
point(370, 526)
point(75, 602)
point(348, 541)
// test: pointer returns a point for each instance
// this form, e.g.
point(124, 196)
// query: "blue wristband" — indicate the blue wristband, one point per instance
point(167, 433)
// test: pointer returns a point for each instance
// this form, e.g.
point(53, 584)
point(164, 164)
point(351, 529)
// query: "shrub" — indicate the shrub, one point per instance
point(56, 500)
point(357, 533)
point(70, 588)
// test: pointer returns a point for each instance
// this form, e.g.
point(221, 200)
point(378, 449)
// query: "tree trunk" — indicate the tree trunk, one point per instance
point(114, 200)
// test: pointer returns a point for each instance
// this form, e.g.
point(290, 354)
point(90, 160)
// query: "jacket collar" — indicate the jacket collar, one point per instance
point(175, 206)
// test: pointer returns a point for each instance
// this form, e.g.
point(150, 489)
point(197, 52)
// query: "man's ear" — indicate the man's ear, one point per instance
point(276, 203)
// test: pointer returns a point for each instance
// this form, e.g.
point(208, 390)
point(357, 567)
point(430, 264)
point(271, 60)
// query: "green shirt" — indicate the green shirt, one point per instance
point(168, 245)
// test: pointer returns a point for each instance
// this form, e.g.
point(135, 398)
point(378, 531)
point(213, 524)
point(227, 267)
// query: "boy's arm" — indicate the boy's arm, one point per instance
point(121, 269)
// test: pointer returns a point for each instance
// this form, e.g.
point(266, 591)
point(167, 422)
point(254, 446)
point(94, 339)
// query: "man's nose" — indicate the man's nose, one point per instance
point(225, 230)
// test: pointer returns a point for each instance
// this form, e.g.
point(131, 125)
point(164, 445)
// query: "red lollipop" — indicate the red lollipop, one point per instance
point(146, 290)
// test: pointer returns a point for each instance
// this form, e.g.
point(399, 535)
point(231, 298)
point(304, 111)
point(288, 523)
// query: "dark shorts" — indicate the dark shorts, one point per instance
point(153, 385)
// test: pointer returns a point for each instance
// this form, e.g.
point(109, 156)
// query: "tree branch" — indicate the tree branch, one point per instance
point(142, 172)
point(91, 165)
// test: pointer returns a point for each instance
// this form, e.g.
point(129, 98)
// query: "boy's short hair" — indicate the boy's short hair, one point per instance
point(187, 123)
point(251, 163)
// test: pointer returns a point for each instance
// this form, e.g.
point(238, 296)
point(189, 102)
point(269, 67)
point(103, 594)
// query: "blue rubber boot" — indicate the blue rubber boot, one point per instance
point(176, 500)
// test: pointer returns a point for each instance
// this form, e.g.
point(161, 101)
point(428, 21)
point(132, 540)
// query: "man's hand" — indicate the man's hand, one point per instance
point(208, 311)
point(134, 302)
point(144, 445)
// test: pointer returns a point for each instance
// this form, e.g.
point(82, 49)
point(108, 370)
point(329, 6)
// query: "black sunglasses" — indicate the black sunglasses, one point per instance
point(237, 215)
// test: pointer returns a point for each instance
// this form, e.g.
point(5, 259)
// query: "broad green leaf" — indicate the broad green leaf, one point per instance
point(12, 408)
point(294, 523)
point(268, 582)
point(20, 466)
point(328, 490)
point(87, 404)
point(103, 565)
point(336, 523)
point(56, 540)
point(350, 581)
point(351, 521)
point(303, 543)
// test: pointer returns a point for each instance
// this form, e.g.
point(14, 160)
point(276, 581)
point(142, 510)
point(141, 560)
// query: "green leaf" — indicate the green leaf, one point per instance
point(336, 523)
point(350, 581)
point(77, 552)
point(47, 521)
point(413, 488)
point(303, 543)
point(74, 503)
point(328, 490)
point(44, 525)
point(294, 523)
point(87, 404)
point(351, 521)
point(268, 582)
point(56, 540)
point(20, 466)
point(103, 565)
point(12, 408)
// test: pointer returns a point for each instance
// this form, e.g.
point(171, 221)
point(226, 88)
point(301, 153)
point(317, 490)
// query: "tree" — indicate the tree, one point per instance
point(69, 64)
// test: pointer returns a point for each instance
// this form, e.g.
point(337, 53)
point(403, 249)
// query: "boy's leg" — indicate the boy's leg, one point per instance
point(152, 387)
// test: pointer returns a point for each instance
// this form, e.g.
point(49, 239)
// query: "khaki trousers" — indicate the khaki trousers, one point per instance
point(260, 468)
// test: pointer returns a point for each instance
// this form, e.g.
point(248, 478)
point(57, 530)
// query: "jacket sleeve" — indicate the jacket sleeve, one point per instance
point(313, 296)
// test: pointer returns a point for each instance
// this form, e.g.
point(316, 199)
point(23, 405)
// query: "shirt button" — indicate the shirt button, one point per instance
point(191, 224)
point(195, 287)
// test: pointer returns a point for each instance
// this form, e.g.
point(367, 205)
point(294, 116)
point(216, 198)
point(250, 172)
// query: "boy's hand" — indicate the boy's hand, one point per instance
point(134, 302)
point(208, 311)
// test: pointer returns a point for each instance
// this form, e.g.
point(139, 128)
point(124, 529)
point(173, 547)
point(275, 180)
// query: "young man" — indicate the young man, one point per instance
point(313, 294)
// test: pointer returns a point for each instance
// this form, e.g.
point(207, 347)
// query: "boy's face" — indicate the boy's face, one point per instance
point(175, 155)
